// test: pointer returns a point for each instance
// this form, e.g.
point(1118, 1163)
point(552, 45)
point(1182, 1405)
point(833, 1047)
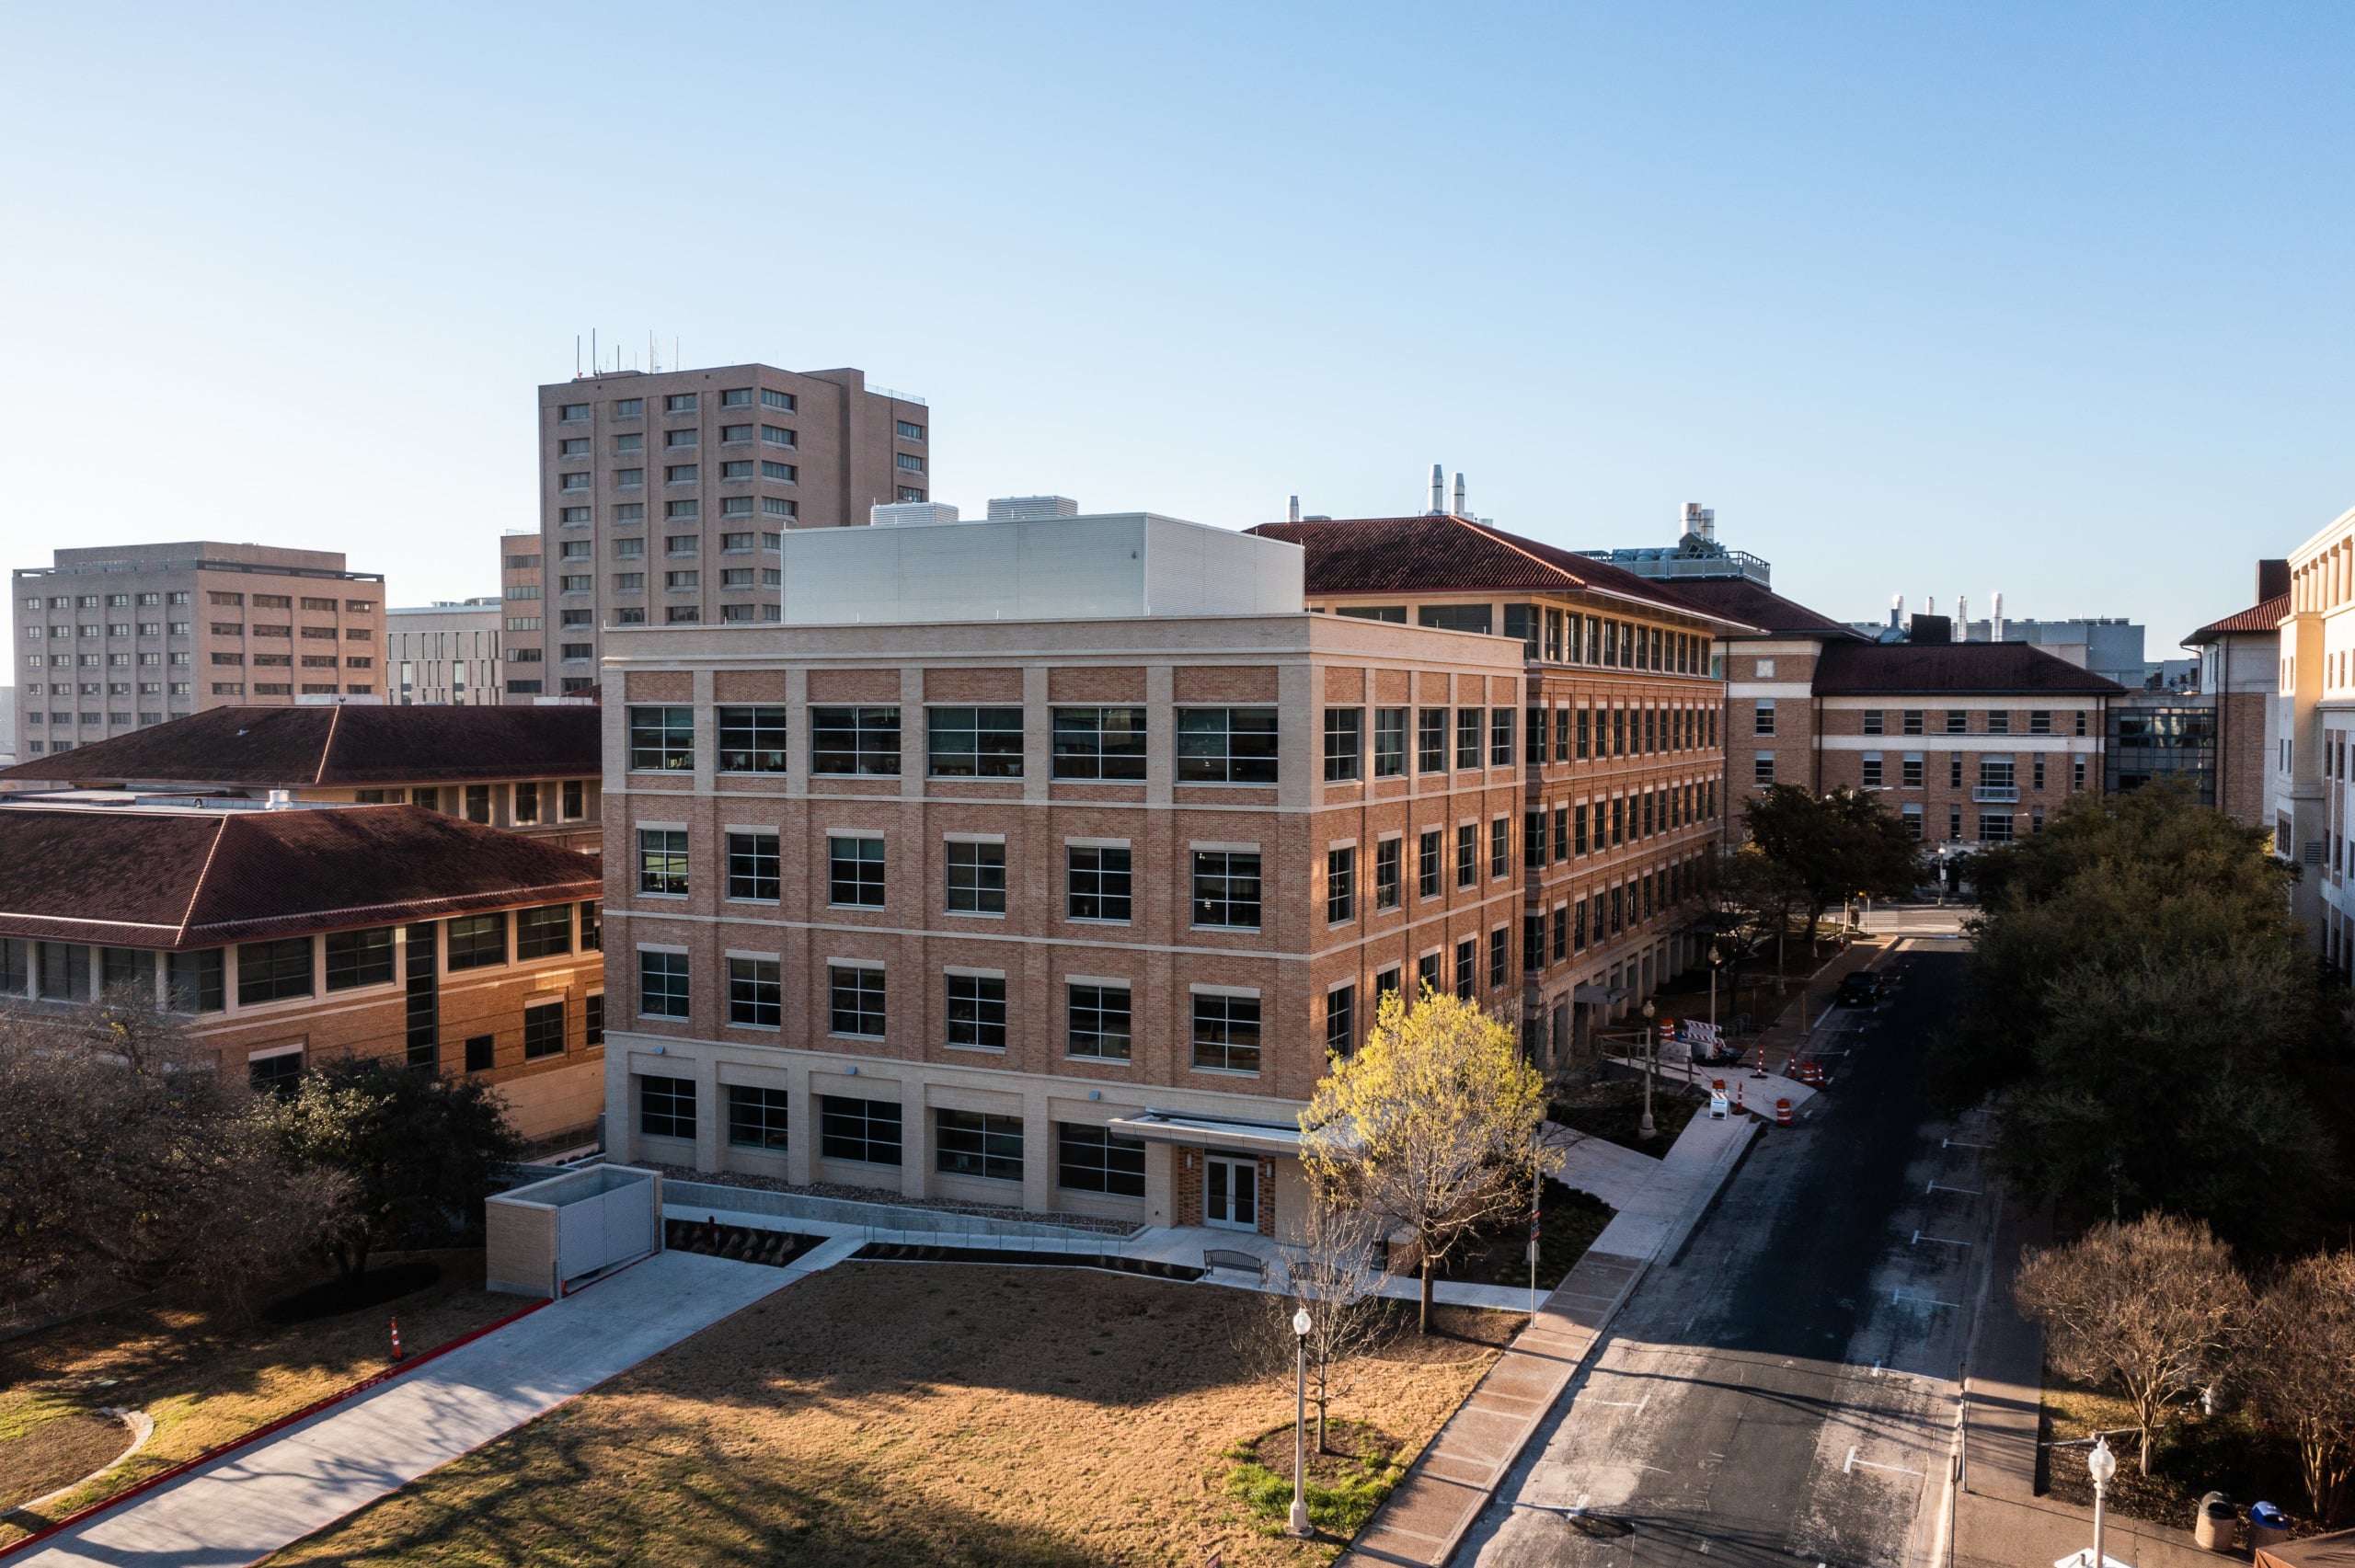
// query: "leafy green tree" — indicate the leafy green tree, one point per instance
point(420, 1152)
point(2152, 1036)
point(1832, 847)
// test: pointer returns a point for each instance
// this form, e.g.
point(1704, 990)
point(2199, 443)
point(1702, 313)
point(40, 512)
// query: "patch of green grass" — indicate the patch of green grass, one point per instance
point(1341, 1508)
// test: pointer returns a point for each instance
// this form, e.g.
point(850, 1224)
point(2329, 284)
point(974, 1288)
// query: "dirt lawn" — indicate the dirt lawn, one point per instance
point(204, 1380)
point(905, 1413)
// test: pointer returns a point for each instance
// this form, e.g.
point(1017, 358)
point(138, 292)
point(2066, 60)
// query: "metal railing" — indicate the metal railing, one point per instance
point(1996, 795)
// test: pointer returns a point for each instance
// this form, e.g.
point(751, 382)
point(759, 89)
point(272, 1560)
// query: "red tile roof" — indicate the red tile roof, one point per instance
point(149, 877)
point(2266, 617)
point(1435, 553)
point(1952, 670)
point(284, 747)
point(1738, 599)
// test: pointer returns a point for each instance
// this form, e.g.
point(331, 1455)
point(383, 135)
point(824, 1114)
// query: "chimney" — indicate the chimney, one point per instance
point(1995, 617)
point(2272, 580)
point(1962, 617)
point(1896, 610)
point(1438, 489)
point(1459, 495)
point(1929, 604)
point(1293, 515)
point(1700, 520)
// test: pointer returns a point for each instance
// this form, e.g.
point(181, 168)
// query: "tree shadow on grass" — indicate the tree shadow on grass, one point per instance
point(582, 1494)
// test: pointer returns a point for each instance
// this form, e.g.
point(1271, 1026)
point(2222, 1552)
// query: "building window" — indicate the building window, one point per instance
point(755, 997)
point(1431, 740)
point(666, 1107)
point(1342, 743)
point(1427, 864)
point(751, 739)
point(1341, 886)
point(1387, 878)
point(772, 398)
point(854, 994)
point(195, 980)
point(663, 861)
point(544, 1030)
point(1226, 888)
point(976, 873)
point(1389, 742)
point(1501, 738)
point(1995, 827)
point(358, 957)
point(1999, 721)
point(543, 931)
point(1467, 739)
point(2040, 721)
point(1872, 779)
point(1226, 746)
point(973, 743)
point(752, 867)
point(1467, 962)
point(1097, 1020)
point(854, 740)
point(757, 1117)
point(1098, 1160)
point(864, 1131)
point(1764, 721)
point(1227, 1033)
point(1499, 958)
point(1873, 721)
point(661, 739)
point(1911, 815)
point(1096, 883)
point(592, 1019)
point(1912, 775)
point(1500, 847)
point(1100, 743)
point(1762, 772)
point(1340, 1020)
point(267, 971)
point(477, 942)
point(974, 1143)
point(854, 870)
point(1467, 854)
point(1954, 771)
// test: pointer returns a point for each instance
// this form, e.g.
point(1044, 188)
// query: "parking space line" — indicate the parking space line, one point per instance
point(1942, 1241)
point(1966, 1192)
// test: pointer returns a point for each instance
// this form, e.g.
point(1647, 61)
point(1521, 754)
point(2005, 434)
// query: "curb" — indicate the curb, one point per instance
point(211, 1456)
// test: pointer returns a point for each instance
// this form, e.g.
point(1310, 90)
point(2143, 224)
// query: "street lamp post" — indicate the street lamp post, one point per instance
point(1651, 1054)
point(2103, 1464)
point(1299, 1525)
point(1716, 960)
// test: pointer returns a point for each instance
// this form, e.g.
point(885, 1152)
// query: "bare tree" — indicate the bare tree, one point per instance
point(2300, 1366)
point(1336, 1272)
point(2150, 1307)
point(123, 1156)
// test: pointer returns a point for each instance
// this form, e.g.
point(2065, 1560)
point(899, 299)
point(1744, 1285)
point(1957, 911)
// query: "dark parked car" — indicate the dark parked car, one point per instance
point(1859, 990)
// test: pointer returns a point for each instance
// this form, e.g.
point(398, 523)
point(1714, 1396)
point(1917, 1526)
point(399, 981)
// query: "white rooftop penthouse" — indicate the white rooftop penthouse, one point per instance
point(1099, 566)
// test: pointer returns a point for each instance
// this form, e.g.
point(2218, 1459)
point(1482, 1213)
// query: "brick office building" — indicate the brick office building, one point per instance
point(531, 771)
point(1039, 863)
point(663, 498)
point(2240, 672)
point(279, 937)
point(110, 638)
point(1622, 758)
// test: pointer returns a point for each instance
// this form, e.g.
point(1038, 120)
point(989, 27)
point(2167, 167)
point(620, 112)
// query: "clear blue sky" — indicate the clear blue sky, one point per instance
point(2048, 299)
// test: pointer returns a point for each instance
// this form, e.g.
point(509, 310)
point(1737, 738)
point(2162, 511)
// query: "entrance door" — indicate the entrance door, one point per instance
point(1231, 1194)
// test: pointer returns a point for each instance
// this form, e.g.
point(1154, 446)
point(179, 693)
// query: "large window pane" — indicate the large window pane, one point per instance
point(544, 932)
point(856, 999)
point(751, 739)
point(359, 957)
point(757, 1117)
point(755, 993)
point(1099, 1022)
point(973, 1143)
point(854, 740)
point(479, 941)
point(661, 739)
point(1227, 1033)
point(975, 743)
point(865, 1131)
point(1226, 746)
point(977, 1011)
point(1096, 886)
point(662, 985)
point(1100, 743)
point(855, 871)
point(1098, 1160)
point(1226, 888)
point(271, 971)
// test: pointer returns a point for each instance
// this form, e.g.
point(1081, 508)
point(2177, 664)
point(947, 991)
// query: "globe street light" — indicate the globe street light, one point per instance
point(1299, 1526)
point(2103, 1464)
point(1651, 1054)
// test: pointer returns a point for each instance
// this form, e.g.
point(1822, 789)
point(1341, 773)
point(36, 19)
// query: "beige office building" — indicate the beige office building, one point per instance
point(1041, 864)
point(664, 496)
point(111, 638)
point(444, 652)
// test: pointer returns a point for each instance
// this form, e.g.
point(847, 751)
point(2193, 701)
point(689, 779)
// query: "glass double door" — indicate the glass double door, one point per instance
point(1231, 1194)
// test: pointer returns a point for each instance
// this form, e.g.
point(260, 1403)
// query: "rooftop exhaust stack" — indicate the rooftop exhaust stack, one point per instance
point(1438, 489)
point(1962, 616)
point(1459, 497)
point(1030, 508)
point(1896, 610)
point(1995, 617)
point(1702, 520)
point(1294, 514)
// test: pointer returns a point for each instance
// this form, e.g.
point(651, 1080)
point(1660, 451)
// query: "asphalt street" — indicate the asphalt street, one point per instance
point(1782, 1392)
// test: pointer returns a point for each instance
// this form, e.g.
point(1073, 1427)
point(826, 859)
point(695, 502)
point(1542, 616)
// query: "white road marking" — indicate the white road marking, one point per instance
point(1622, 1404)
point(1942, 1241)
point(1957, 1143)
point(1899, 1298)
point(1966, 1192)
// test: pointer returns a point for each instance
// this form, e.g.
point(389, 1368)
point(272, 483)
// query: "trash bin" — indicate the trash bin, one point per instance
point(2217, 1524)
point(2268, 1526)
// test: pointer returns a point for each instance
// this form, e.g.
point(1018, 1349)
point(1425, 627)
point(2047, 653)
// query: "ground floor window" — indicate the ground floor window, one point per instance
point(666, 1107)
point(865, 1131)
point(276, 1074)
point(757, 1117)
point(973, 1143)
point(1098, 1160)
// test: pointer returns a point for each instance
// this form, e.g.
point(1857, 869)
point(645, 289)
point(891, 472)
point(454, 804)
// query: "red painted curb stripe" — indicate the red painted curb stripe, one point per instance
point(211, 1455)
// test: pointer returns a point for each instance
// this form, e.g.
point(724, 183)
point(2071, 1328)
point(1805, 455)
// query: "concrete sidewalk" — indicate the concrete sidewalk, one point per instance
point(1454, 1478)
point(264, 1496)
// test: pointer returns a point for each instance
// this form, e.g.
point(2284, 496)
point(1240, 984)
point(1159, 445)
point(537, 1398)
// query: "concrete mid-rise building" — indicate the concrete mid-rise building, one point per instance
point(444, 652)
point(664, 496)
point(281, 936)
point(1042, 862)
point(110, 638)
